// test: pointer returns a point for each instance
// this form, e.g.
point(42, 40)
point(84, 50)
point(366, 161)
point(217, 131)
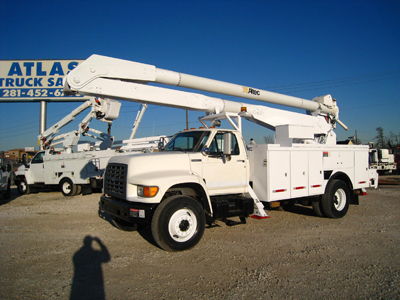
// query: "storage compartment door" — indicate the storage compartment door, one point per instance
point(316, 174)
point(278, 175)
point(299, 174)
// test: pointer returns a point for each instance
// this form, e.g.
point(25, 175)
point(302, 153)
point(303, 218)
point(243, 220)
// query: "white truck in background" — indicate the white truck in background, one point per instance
point(81, 171)
point(381, 160)
point(209, 174)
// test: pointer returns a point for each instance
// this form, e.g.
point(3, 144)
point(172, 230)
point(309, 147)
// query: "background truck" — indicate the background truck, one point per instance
point(209, 173)
point(5, 180)
point(382, 160)
point(396, 153)
point(80, 170)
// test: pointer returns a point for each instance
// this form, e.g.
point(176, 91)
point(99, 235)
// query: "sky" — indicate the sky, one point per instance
point(348, 49)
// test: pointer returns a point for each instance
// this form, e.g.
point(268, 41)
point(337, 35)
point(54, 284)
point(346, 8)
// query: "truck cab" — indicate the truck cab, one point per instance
point(199, 176)
point(30, 173)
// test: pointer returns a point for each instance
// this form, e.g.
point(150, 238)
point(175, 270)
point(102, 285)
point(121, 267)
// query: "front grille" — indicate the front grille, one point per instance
point(115, 180)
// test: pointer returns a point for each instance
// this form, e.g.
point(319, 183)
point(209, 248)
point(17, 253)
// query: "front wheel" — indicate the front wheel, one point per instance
point(23, 188)
point(335, 201)
point(178, 223)
point(68, 188)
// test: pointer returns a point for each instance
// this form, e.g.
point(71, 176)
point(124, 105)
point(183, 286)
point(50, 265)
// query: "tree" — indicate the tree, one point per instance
point(269, 139)
point(393, 141)
point(380, 138)
point(382, 142)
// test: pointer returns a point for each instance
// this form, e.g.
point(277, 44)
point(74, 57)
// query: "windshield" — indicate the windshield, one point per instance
point(188, 141)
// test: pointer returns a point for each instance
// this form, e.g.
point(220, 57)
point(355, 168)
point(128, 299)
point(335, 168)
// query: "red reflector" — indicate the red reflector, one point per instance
point(315, 185)
point(258, 217)
point(280, 191)
point(361, 182)
point(299, 187)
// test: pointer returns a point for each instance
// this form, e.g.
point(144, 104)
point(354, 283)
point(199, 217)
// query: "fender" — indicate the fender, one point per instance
point(164, 180)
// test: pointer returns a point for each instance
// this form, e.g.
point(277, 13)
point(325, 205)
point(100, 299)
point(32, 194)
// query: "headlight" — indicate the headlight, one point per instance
point(147, 191)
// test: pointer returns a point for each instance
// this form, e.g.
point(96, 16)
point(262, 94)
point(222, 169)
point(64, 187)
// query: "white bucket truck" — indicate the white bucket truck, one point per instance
point(209, 173)
point(81, 171)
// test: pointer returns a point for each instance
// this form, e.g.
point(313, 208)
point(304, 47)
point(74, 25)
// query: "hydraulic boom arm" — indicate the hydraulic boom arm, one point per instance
point(105, 110)
point(125, 80)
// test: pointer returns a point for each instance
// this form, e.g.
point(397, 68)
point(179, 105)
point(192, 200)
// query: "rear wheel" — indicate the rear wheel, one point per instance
point(335, 201)
point(68, 188)
point(78, 189)
point(22, 187)
point(178, 223)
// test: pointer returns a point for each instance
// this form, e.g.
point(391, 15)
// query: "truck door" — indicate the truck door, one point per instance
point(225, 173)
point(36, 168)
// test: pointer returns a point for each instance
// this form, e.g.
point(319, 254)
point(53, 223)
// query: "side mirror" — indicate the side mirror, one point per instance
point(205, 151)
point(24, 158)
point(227, 143)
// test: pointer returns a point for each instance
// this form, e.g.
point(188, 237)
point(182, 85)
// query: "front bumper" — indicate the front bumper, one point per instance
point(134, 212)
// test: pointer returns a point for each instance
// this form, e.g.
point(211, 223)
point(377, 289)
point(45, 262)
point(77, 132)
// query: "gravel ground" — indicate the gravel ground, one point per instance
point(53, 247)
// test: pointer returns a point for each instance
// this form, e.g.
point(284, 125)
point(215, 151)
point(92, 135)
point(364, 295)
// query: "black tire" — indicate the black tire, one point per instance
point(335, 202)
point(23, 188)
point(316, 205)
point(123, 225)
point(78, 189)
point(68, 188)
point(178, 223)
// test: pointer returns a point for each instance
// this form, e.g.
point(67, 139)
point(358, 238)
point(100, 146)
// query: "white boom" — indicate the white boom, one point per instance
point(125, 80)
point(105, 110)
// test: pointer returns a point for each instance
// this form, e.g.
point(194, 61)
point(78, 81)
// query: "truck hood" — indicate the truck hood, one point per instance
point(147, 164)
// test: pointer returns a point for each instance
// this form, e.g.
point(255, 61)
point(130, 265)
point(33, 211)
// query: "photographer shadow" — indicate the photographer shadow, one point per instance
point(88, 281)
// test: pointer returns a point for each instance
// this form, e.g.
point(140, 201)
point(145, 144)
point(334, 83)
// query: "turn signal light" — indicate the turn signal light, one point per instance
point(147, 191)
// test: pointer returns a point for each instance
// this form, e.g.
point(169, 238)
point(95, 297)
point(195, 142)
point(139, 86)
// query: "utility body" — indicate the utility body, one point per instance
point(209, 174)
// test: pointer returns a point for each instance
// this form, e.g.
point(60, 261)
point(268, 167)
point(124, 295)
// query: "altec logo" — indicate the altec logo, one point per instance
point(248, 90)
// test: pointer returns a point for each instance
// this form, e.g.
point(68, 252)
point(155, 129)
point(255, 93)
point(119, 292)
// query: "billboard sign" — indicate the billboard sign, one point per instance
point(33, 80)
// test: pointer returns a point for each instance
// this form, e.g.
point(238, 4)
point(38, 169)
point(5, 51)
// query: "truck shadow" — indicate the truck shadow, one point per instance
point(88, 281)
point(296, 209)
